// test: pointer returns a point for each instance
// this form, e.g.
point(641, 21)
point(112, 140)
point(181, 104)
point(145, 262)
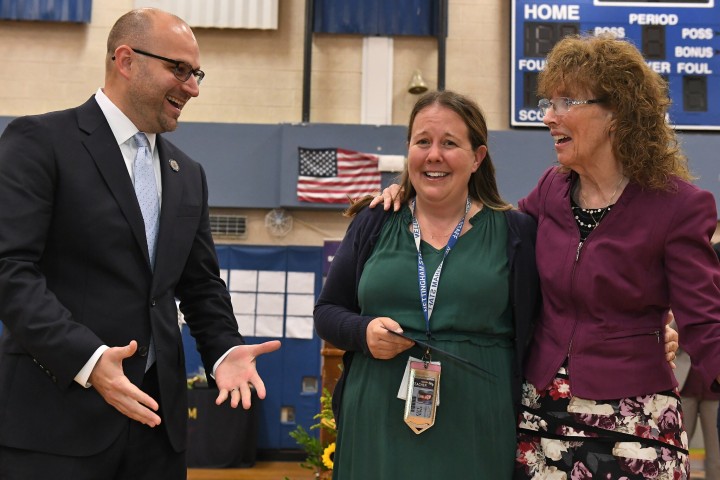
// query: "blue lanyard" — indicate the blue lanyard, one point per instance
point(428, 297)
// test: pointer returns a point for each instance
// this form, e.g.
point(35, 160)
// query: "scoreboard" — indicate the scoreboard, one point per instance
point(680, 40)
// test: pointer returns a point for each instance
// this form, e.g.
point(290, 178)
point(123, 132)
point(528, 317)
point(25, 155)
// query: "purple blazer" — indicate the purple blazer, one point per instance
point(605, 303)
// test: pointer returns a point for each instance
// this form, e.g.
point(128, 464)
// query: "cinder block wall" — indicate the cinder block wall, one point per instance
point(255, 76)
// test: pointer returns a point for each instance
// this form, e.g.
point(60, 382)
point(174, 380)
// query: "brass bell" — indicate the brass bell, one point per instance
point(417, 84)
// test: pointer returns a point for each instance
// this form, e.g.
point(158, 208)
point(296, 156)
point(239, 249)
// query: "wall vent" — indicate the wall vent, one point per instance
point(260, 14)
point(228, 226)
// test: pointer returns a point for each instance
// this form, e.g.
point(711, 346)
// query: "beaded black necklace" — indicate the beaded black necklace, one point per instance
point(589, 218)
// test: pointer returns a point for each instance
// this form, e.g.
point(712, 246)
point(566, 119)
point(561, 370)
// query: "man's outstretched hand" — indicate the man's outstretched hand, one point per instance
point(109, 379)
point(237, 372)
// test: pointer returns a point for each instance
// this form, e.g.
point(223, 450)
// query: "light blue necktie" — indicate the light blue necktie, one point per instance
point(146, 191)
point(147, 195)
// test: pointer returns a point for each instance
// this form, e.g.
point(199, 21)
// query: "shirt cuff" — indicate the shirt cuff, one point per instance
point(84, 373)
point(217, 364)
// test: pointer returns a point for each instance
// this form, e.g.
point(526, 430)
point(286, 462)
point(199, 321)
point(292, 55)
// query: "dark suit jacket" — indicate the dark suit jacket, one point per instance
point(75, 274)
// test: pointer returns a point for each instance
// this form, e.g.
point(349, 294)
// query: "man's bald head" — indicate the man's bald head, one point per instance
point(136, 28)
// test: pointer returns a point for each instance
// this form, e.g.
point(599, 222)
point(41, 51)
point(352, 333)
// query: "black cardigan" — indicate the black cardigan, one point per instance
point(337, 317)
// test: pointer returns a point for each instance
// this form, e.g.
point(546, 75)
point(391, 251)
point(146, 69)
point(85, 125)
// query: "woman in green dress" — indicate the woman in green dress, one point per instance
point(454, 270)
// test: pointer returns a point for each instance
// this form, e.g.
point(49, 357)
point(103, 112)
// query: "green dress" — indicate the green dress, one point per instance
point(474, 432)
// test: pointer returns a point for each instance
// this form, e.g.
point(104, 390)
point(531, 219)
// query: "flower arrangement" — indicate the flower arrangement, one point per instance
point(197, 380)
point(319, 451)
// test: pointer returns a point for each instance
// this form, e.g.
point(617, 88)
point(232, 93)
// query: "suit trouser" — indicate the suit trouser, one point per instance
point(139, 453)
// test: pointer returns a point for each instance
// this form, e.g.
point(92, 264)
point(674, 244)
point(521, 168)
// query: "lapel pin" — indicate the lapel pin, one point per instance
point(174, 165)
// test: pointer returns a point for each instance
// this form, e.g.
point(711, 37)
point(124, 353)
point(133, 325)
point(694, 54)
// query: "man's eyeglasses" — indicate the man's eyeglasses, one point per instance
point(561, 105)
point(182, 70)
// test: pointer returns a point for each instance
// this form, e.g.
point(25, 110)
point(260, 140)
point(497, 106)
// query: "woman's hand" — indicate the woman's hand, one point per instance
point(389, 196)
point(671, 340)
point(382, 343)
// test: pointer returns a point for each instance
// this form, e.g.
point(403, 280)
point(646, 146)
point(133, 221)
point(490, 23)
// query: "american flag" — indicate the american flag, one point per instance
point(334, 175)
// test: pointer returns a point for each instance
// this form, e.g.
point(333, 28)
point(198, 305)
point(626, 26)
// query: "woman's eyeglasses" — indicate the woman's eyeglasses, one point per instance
point(561, 105)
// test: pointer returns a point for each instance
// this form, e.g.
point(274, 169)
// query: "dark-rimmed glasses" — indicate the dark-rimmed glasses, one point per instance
point(561, 105)
point(182, 70)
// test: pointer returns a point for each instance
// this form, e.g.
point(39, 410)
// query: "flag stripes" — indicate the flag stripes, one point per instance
point(335, 175)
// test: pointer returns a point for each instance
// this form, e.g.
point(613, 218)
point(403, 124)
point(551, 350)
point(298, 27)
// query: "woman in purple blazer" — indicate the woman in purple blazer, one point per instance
point(622, 236)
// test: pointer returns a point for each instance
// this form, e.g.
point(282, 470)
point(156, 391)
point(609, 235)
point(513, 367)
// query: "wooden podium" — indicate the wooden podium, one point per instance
point(331, 369)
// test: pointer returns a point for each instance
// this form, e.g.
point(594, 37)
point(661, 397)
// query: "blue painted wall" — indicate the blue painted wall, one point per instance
point(282, 371)
point(256, 165)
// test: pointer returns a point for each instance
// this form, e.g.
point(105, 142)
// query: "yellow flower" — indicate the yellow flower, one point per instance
point(328, 423)
point(328, 454)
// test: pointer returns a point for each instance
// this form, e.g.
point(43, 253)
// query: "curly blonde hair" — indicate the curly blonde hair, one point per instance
point(615, 71)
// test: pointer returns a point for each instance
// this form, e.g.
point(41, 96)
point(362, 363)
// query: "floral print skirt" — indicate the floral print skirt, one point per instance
point(566, 437)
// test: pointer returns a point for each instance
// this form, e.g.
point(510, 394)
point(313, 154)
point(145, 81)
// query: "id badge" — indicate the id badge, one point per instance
point(422, 391)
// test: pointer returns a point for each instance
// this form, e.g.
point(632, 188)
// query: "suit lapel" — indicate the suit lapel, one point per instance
point(103, 148)
point(171, 176)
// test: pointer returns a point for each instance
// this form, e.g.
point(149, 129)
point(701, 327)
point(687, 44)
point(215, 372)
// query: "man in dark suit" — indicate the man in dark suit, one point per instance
point(92, 373)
